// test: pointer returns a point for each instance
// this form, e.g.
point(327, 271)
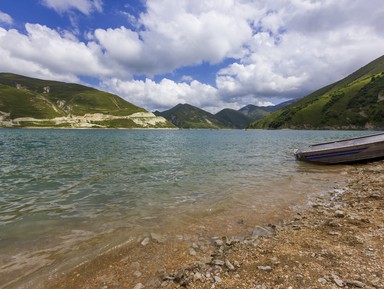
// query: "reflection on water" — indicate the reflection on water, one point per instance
point(63, 192)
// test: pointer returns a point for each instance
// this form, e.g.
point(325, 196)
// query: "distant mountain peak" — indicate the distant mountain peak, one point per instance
point(188, 116)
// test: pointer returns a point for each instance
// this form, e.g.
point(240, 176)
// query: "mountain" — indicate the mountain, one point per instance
point(258, 112)
point(281, 105)
point(30, 102)
point(188, 116)
point(355, 102)
point(255, 112)
point(235, 117)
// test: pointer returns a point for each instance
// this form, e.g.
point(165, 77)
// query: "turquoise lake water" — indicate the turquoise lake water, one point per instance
point(63, 189)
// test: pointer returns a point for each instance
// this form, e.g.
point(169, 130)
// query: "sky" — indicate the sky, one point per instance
point(212, 54)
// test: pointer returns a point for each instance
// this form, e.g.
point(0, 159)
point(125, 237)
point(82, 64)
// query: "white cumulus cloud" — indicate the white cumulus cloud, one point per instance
point(44, 52)
point(84, 6)
point(164, 94)
point(303, 45)
point(5, 18)
point(194, 32)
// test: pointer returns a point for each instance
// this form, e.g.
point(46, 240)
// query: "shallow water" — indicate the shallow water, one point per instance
point(64, 193)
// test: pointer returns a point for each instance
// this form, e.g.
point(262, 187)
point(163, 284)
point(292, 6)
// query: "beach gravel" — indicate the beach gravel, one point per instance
point(336, 241)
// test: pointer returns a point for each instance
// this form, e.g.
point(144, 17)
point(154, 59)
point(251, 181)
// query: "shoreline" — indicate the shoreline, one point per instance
point(335, 241)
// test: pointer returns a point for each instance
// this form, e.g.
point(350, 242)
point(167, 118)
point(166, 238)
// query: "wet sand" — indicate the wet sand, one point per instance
point(333, 241)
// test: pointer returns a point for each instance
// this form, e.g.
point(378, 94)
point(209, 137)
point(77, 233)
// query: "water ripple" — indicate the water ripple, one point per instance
point(57, 184)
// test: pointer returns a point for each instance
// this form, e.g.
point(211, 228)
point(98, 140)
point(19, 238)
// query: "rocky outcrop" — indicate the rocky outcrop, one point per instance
point(90, 120)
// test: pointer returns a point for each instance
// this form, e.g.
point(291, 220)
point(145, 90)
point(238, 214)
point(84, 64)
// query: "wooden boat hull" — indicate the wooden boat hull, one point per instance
point(354, 150)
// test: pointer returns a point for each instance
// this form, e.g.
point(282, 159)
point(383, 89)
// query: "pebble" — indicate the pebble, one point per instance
point(338, 281)
point(138, 286)
point(322, 281)
point(261, 232)
point(264, 268)
point(145, 242)
point(275, 261)
point(158, 238)
point(355, 283)
point(219, 242)
point(229, 265)
point(297, 218)
point(218, 262)
point(205, 260)
point(192, 252)
point(195, 246)
point(339, 214)
point(197, 276)
point(233, 241)
point(375, 196)
point(217, 279)
point(179, 275)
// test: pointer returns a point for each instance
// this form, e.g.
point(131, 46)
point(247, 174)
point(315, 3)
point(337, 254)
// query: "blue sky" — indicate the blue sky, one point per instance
point(213, 54)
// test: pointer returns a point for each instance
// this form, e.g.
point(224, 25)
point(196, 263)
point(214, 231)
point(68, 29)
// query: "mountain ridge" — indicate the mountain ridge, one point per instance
point(187, 116)
point(190, 117)
point(32, 102)
point(238, 119)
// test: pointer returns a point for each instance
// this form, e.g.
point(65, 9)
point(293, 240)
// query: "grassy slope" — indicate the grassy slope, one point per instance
point(352, 102)
point(62, 99)
point(238, 119)
point(22, 103)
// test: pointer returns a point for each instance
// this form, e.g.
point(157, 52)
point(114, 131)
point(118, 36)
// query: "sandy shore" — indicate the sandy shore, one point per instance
point(336, 241)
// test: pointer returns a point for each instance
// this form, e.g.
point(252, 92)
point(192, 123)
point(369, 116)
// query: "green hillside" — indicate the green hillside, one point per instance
point(255, 112)
point(191, 117)
point(25, 97)
point(235, 117)
point(355, 102)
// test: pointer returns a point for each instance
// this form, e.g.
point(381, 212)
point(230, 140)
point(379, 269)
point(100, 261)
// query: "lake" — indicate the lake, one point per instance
point(66, 195)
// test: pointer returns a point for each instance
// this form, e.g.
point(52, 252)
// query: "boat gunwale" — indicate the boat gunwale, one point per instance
point(326, 146)
point(347, 139)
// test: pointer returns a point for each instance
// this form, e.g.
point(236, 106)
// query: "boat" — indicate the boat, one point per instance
point(353, 150)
